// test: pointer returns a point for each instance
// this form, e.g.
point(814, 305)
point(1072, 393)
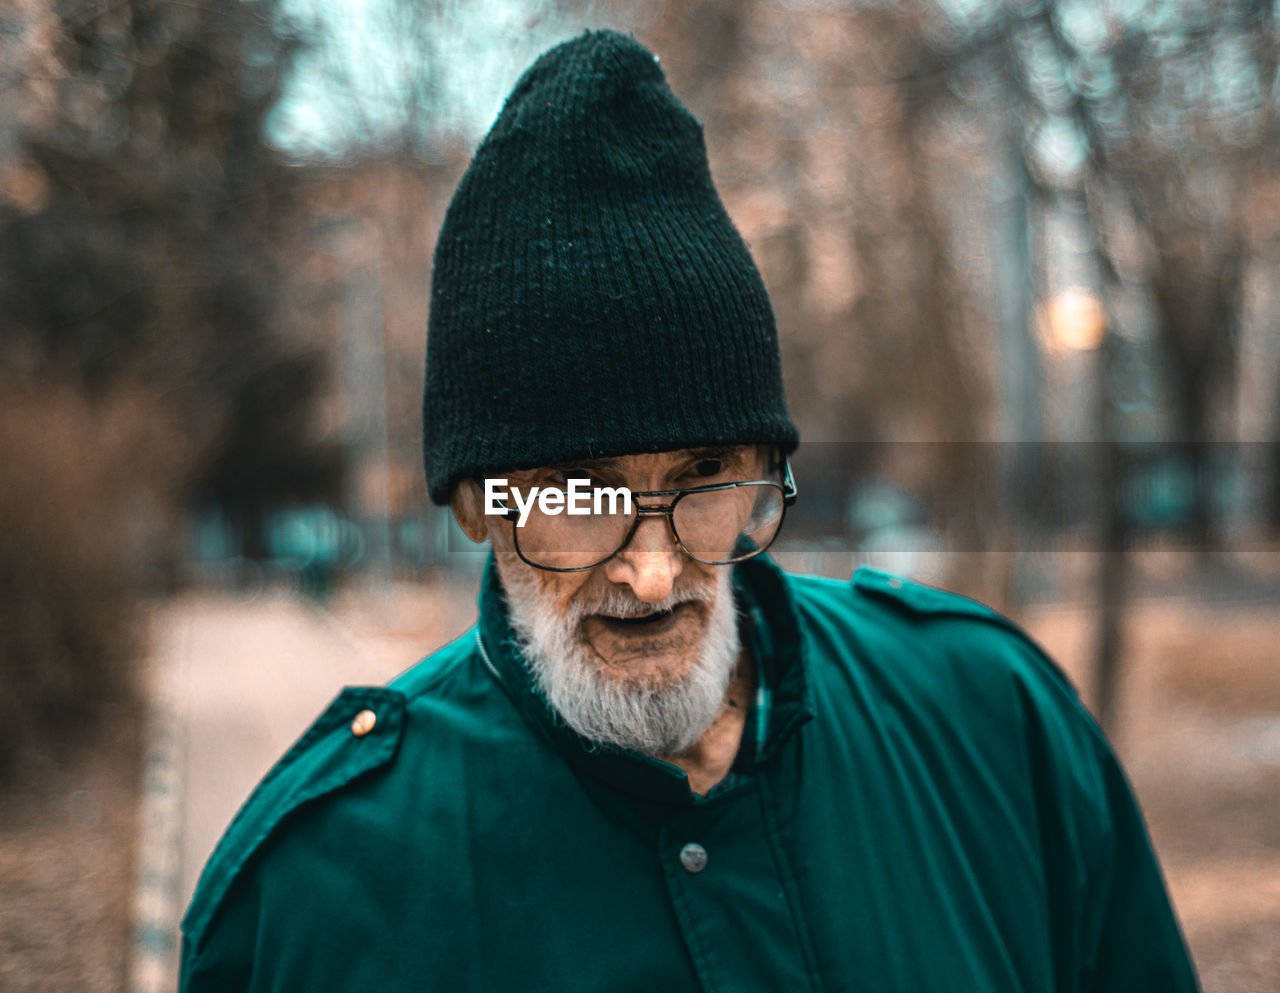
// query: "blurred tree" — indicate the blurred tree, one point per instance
point(1156, 125)
point(156, 253)
point(1182, 134)
point(147, 350)
point(1177, 116)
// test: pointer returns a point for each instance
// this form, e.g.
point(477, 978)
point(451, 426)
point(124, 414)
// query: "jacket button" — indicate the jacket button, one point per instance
point(364, 722)
point(693, 857)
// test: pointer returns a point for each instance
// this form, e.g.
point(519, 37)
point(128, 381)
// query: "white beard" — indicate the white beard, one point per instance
point(655, 720)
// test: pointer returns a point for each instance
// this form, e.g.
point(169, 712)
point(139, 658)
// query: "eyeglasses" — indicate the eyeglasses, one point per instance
point(717, 525)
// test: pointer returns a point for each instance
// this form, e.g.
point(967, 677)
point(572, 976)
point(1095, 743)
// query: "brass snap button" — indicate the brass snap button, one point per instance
point(364, 722)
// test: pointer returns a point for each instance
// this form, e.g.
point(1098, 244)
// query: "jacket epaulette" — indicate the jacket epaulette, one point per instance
point(929, 601)
point(359, 732)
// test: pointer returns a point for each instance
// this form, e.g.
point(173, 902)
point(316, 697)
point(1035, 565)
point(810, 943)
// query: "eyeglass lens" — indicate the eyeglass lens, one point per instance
point(714, 526)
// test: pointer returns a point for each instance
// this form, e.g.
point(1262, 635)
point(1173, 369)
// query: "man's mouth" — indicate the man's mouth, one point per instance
point(643, 625)
point(641, 620)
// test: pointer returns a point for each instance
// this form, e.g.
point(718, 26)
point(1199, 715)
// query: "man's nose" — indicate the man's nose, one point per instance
point(650, 563)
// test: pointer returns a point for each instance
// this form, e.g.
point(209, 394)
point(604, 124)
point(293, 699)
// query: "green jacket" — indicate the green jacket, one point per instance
point(928, 808)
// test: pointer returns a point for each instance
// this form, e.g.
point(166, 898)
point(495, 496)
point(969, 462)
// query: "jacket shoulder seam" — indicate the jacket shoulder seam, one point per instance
point(922, 600)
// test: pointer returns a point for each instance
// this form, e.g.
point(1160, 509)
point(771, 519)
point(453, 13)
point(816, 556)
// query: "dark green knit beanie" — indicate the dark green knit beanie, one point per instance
point(590, 295)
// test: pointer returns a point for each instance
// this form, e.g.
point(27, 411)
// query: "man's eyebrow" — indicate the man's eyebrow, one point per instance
point(724, 452)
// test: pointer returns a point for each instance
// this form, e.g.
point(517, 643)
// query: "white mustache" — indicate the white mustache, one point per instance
point(620, 605)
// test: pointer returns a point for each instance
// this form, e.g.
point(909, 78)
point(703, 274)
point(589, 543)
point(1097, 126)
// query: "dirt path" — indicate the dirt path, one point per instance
point(66, 839)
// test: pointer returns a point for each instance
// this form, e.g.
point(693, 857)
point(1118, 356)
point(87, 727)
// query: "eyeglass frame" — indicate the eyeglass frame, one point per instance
point(789, 494)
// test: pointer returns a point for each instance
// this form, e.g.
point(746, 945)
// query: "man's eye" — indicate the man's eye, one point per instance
point(709, 467)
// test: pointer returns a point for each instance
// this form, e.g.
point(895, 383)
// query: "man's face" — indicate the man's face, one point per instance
point(638, 650)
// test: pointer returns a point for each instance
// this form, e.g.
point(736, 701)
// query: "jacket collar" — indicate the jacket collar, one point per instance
point(769, 626)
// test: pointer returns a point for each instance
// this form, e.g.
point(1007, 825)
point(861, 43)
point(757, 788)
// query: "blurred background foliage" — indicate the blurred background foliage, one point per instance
point(1017, 250)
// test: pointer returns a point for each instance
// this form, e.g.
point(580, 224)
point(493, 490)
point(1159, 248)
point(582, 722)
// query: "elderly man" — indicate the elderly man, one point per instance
point(658, 762)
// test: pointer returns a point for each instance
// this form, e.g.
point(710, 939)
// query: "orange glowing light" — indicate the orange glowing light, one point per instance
point(1073, 320)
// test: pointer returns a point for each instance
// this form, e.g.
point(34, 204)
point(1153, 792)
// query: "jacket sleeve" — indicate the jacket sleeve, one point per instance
point(1113, 928)
point(1133, 940)
point(223, 963)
